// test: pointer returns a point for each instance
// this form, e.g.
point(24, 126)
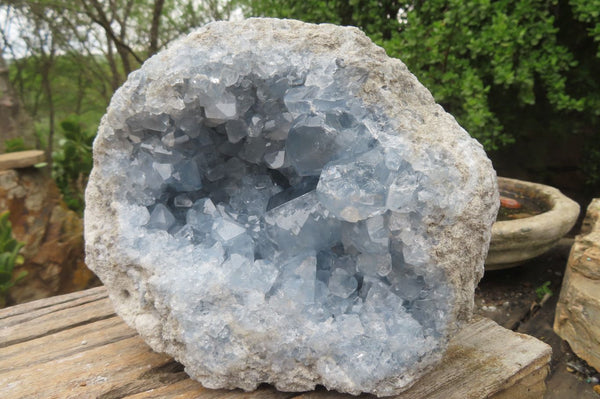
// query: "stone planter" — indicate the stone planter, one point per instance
point(516, 241)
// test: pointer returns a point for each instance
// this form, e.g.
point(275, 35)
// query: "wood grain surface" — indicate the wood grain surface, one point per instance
point(74, 346)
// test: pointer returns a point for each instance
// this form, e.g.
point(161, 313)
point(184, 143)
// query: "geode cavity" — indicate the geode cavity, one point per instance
point(274, 201)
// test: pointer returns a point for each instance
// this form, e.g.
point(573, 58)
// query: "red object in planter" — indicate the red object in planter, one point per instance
point(509, 203)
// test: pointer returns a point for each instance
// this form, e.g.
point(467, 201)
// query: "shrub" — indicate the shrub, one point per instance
point(14, 145)
point(72, 163)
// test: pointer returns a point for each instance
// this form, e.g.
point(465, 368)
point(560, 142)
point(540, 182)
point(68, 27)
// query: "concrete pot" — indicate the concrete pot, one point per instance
point(516, 241)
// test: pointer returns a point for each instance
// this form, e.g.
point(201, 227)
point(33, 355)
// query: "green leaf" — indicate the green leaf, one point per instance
point(5, 277)
point(543, 290)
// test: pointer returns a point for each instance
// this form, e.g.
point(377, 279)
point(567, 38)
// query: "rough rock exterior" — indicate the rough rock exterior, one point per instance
point(280, 202)
point(577, 318)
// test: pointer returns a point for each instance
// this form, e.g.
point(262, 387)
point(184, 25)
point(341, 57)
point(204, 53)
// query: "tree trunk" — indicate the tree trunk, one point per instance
point(114, 71)
point(390, 8)
point(47, 87)
point(46, 69)
point(124, 54)
point(80, 92)
point(154, 28)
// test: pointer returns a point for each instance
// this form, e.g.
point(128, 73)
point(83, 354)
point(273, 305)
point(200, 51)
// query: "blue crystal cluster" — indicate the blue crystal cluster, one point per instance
point(302, 212)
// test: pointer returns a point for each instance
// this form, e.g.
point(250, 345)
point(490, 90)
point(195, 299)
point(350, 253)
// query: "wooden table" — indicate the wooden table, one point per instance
point(74, 346)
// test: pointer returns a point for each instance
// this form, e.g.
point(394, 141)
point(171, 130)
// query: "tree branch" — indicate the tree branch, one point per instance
point(101, 19)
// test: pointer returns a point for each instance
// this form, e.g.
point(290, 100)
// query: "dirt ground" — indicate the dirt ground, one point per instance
point(509, 298)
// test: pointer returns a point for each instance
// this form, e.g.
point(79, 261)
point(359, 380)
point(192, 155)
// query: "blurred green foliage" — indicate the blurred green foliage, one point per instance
point(73, 162)
point(14, 145)
point(472, 51)
point(9, 257)
point(80, 103)
point(77, 93)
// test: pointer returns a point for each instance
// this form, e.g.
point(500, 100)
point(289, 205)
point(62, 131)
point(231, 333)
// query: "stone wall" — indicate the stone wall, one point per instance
point(577, 317)
point(54, 256)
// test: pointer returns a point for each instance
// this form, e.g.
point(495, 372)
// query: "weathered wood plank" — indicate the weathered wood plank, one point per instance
point(530, 386)
point(54, 319)
point(482, 359)
point(28, 309)
point(102, 372)
point(64, 343)
point(21, 159)
point(192, 390)
point(75, 347)
point(184, 389)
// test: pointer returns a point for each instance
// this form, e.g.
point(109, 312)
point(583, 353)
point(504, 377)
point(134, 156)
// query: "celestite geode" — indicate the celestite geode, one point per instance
point(274, 201)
